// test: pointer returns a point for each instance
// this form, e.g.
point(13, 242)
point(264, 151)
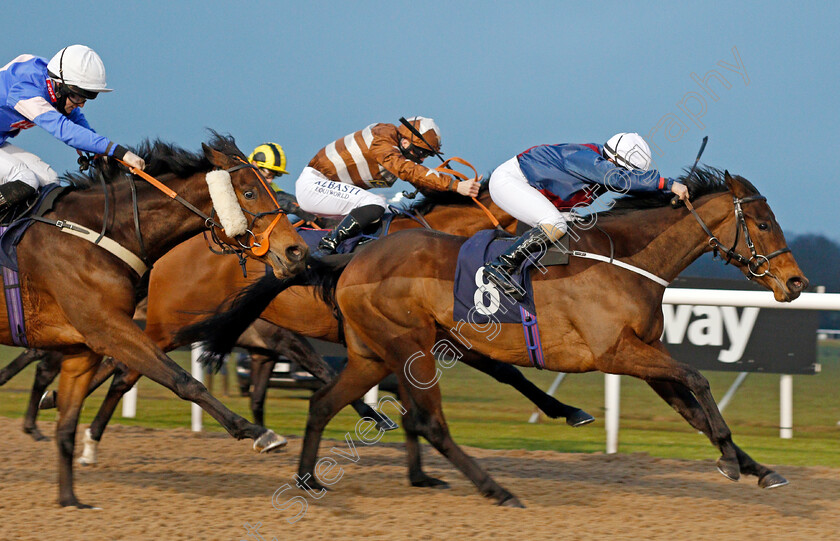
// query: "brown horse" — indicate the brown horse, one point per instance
point(175, 303)
point(397, 303)
point(80, 299)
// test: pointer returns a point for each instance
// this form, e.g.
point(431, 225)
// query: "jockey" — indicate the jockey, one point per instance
point(270, 160)
point(534, 185)
point(336, 181)
point(50, 95)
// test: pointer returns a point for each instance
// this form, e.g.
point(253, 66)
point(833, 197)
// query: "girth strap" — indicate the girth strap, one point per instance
point(105, 243)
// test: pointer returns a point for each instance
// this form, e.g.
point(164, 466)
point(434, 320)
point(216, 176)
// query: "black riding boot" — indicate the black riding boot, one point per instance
point(498, 271)
point(14, 192)
point(352, 225)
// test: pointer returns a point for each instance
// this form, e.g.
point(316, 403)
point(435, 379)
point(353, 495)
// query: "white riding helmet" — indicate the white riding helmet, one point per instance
point(629, 151)
point(80, 68)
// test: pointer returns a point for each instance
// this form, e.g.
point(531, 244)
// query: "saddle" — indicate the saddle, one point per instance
point(16, 220)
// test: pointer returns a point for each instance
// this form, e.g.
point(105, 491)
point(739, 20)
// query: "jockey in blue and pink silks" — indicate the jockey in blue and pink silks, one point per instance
point(50, 95)
point(534, 185)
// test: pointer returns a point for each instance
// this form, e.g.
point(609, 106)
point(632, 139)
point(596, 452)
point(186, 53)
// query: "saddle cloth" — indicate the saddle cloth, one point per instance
point(478, 301)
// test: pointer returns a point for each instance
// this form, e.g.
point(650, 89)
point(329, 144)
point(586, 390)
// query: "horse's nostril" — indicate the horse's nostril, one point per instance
point(294, 253)
point(797, 283)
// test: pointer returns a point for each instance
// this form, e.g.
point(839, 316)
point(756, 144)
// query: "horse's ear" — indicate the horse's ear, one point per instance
point(736, 187)
point(216, 158)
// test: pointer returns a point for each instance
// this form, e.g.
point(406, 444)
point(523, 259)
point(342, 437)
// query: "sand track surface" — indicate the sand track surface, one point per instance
point(173, 485)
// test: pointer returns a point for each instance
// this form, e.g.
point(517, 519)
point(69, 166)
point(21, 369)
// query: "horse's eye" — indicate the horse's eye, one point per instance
point(249, 195)
point(763, 226)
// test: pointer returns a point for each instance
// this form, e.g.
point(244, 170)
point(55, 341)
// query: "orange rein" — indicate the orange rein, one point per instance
point(442, 168)
point(258, 244)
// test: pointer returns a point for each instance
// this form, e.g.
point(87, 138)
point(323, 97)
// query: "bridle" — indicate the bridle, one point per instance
point(756, 261)
point(258, 243)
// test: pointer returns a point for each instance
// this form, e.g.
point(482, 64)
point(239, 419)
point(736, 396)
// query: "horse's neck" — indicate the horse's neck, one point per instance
point(665, 241)
point(164, 223)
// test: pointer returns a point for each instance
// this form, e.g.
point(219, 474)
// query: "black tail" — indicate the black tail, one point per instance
point(219, 332)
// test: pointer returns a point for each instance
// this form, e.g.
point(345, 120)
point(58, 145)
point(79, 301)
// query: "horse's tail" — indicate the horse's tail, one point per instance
point(219, 332)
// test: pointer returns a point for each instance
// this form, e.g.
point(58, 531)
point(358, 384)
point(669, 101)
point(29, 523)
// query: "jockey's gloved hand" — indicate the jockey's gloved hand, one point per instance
point(468, 188)
point(134, 160)
point(680, 190)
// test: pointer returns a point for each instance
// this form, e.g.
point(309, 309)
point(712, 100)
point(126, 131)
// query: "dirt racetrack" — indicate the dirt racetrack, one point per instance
point(172, 485)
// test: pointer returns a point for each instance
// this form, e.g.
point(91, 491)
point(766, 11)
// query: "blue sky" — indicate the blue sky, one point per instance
point(498, 77)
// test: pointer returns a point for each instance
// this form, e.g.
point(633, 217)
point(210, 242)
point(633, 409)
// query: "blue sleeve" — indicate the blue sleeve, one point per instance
point(28, 101)
point(590, 167)
point(74, 135)
point(79, 118)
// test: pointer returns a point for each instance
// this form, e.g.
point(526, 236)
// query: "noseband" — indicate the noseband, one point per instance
point(756, 261)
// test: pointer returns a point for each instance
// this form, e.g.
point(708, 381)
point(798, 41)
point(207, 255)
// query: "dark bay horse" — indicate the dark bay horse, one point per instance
point(175, 303)
point(397, 303)
point(79, 299)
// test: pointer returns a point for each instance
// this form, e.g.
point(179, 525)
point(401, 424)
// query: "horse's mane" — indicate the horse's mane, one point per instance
point(706, 180)
point(431, 199)
point(161, 158)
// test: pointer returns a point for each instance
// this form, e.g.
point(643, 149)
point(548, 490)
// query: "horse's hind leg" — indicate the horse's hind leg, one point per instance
point(76, 373)
point(428, 421)
point(414, 453)
point(300, 351)
point(24, 359)
point(681, 399)
point(124, 380)
point(261, 368)
point(510, 375)
point(46, 372)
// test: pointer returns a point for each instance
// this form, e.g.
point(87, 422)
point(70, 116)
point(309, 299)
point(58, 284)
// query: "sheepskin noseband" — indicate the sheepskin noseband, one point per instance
point(226, 204)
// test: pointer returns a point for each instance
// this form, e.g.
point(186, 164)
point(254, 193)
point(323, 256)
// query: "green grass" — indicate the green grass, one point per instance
point(482, 413)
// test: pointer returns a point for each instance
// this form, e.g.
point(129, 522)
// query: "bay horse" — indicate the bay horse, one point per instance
point(79, 299)
point(175, 303)
point(396, 298)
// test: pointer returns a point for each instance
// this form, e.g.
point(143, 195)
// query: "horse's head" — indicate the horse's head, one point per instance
point(255, 221)
point(756, 243)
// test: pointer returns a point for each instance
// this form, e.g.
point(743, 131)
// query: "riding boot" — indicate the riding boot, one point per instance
point(352, 224)
point(14, 192)
point(500, 270)
point(347, 228)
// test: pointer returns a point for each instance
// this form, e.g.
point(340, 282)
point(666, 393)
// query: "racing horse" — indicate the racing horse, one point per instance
point(175, 303)
point(397, 303)
point(79, 299)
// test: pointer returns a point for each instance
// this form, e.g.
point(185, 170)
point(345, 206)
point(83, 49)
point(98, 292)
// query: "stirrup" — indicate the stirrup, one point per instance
point(498, 277)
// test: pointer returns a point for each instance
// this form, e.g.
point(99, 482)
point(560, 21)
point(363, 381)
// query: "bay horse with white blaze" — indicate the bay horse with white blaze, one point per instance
point(79, 299)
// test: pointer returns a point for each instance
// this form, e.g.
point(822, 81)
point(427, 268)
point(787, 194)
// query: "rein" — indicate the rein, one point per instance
point(258, 243)
point(442, 168)
point(756, 261)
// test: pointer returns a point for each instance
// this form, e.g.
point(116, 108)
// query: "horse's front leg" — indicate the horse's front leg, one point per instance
point(633, 357)
point(125, 341)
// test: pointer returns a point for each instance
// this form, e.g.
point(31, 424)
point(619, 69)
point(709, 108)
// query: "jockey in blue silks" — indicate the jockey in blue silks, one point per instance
point(50, 95)
point(535, 185)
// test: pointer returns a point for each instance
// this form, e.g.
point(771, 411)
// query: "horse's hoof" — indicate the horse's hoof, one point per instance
point(385, 424)
point(35, 434)
point(579, 418)
point(729, 469)
point(77, 504)
point(772, 480)
point(511, 501)
point(269, 442)
point(47, 401)
point(430, 482)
